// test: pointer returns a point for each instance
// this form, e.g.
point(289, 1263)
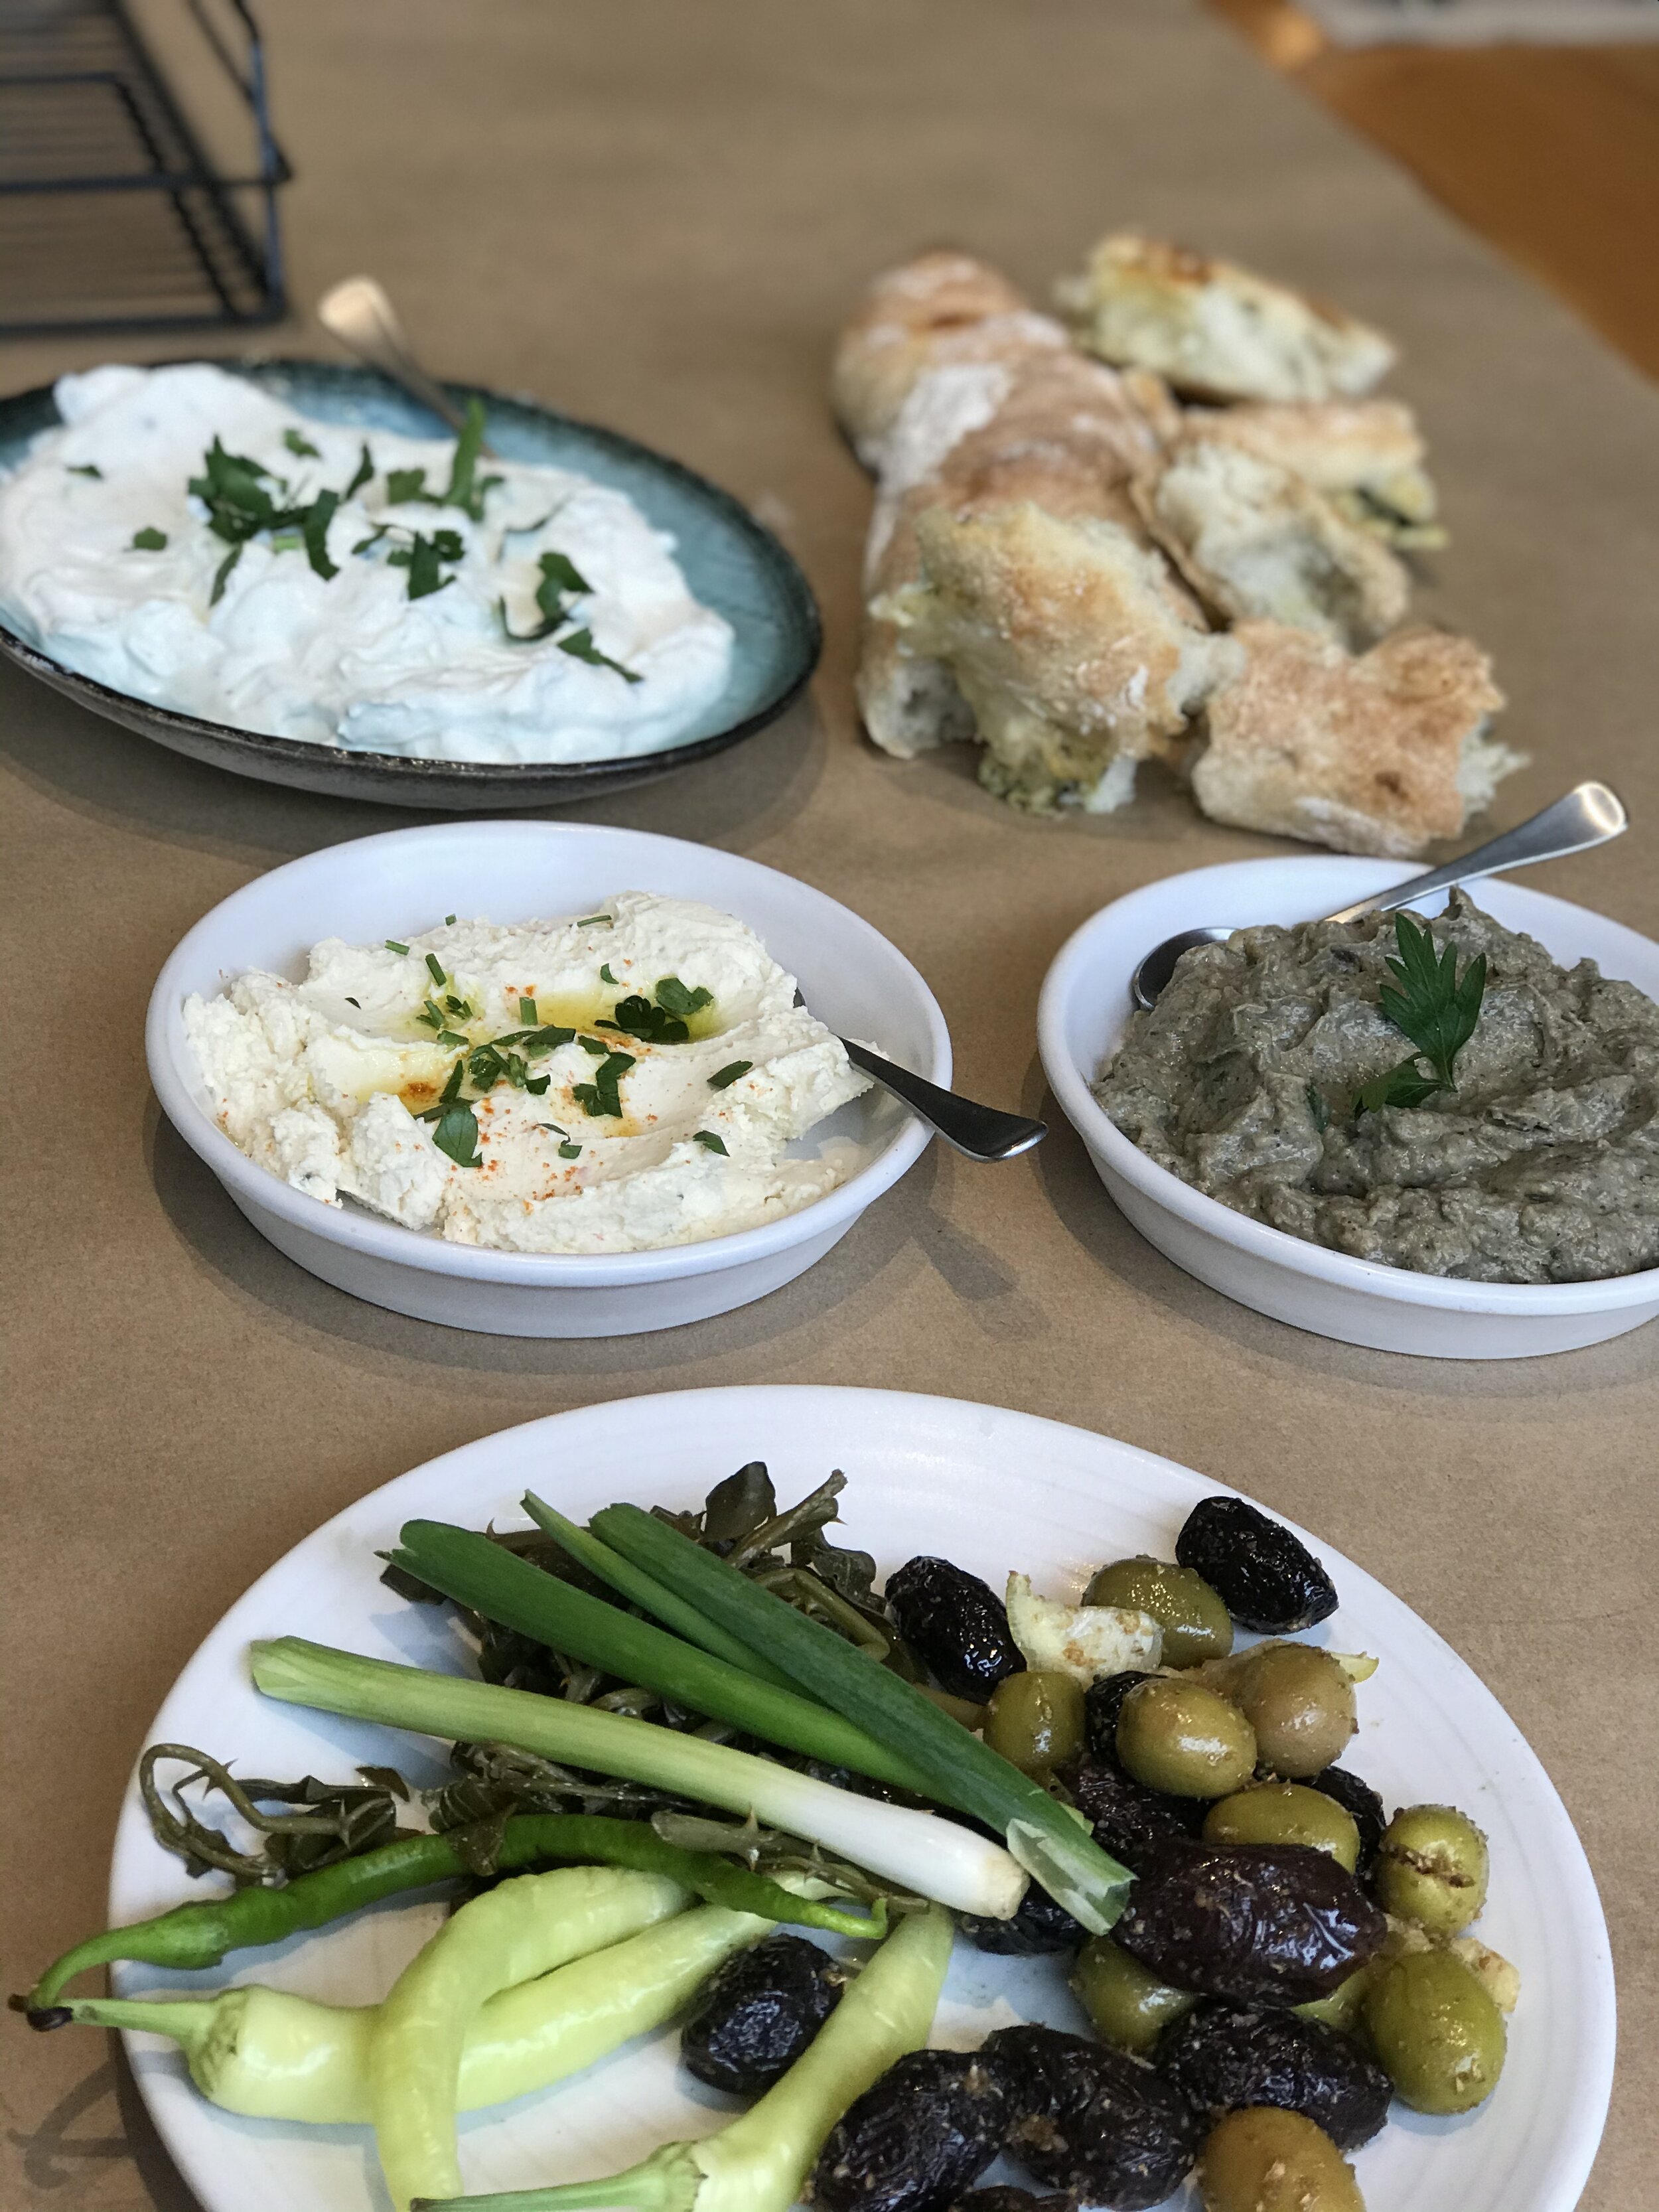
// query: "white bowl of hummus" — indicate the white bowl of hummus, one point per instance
point(541, 1079)
point(1083, 1017)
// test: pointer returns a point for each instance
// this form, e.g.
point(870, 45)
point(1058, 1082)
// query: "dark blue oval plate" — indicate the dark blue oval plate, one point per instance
point(731, 563)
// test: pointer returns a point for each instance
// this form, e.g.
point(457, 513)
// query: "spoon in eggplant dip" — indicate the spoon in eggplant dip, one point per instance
point(1440, 1096)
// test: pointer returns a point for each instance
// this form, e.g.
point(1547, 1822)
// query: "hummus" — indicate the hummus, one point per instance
point(108, 563)
point(1542, 1166)
point(627, 1080)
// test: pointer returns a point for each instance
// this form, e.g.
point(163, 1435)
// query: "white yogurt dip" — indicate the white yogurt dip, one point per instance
point(348, 660)
point(321, 1082)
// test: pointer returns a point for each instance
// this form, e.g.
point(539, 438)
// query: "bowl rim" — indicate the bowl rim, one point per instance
point(408, 772)
point(389, 1242)
point(1069, 974)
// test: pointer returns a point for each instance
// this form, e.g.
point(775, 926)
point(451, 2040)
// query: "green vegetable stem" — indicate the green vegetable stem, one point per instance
point(513, 1591)
point(760, 2161)
point(1048, 1840)
point(918, 1851)
point(272, 2056)
point(201, 1935)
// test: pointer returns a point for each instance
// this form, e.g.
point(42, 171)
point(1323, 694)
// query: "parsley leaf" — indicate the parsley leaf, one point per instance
point(221, 575)
point(313, 532)
point(1435, 1007)
point(580, 646)
point(149, 541)
point(404, 486)
point(673, 995)
point(569, 1152)
point(605, 975)
point(421, 557)
point(457, 1133)
point(364, 474)
point(559, 576)
point(1404, 1086)
point(465, 488)
point(303, 446)
point(710, 1142)
point(86, 468)
point(724, 1078)
point(602, 1097)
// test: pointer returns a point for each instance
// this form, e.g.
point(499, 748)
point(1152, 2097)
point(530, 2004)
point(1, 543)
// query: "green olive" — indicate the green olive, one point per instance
point(1176, 1735)
point(1341, 2008)
point(1195, 1623)
point(1298, 1701)
point(1437, 2033)
point(1037, 1720)
point(1262, 2159)
point(1286, 1812)
point(1431, 1868)
point(1128, 2006)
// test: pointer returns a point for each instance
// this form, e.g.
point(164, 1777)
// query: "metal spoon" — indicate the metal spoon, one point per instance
point(359, 314)
point(1589, 815)
point(983, 1132)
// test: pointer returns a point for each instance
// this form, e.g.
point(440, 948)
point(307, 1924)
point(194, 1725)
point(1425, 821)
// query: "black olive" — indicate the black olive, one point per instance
point(1091, 2121)
point(1266, 1923)
point(1128, 1819)
point(955, 1622)
point(1004, 2199)
point(925, 2132)
point(1223, 2058)
point(1103, 1701)
point(754, 2015)
point(1363, 1805)
point(1267, 1579)
point(1040, 1924)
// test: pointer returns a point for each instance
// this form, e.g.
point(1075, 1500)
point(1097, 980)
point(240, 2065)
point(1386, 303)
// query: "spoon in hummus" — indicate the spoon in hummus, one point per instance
point(982, 1133)
point(1589, 815)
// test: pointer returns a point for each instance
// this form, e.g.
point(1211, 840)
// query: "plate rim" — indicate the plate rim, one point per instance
point(1573, 2152)
point(390, 1242)
point(408, 773)
point(1277, 1247)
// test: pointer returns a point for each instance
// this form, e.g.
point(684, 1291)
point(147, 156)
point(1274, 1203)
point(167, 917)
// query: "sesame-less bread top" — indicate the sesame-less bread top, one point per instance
point(1216, 331)
point(1380, 753)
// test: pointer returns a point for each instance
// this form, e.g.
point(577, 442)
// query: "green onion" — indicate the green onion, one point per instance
point(645, 1590)
point(1048, 1840)
point(510, 1590)
point(918, 1851)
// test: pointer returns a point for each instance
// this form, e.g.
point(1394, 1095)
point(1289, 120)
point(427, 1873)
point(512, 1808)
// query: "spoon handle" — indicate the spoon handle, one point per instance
point(1589, 815)
point(982, 1131)
point(359, 314)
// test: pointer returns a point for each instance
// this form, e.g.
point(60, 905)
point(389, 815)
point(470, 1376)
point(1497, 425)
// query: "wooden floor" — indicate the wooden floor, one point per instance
point(1551, 152)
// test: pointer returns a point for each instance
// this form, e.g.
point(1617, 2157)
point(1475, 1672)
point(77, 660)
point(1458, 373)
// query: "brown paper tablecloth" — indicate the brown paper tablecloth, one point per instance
point(655, 214)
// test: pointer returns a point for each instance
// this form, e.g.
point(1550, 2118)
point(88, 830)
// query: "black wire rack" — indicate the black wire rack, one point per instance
point(114, 215)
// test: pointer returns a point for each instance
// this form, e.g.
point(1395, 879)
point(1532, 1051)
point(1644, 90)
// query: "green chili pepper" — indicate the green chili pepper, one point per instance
point(201, 1935)
point(271, 2055)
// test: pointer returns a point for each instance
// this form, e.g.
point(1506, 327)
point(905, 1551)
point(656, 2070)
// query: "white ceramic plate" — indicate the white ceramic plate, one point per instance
point(992, 1490)
point(399, 884)
point(1081, 1016)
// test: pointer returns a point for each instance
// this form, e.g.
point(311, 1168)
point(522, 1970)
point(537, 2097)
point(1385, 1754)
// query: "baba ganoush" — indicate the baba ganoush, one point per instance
point(1541, 1166)
point(627, 1080)
point(404, 595)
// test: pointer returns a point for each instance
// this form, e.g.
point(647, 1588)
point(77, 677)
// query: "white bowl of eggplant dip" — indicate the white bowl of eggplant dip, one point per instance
point(1273, 1129)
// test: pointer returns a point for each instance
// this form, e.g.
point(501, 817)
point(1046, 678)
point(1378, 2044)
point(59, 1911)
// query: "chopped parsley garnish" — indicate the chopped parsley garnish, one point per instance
point(661, 1023)
point(235, 490)
point(434, 967)
point(527, 1011)
point(593, 1045)
point(580, 646)
point(392, 945)
point(221, 575)
point(569, 1152)
point(354, 1002)
point(449, 921)
point(1319, 1106)
point(602, 1097)
point(596, 921)
point(365, 472)
point(423, 557)
point(86, 468)
point(559, 576)
point(303, 446)
point(1434, 1006)
point(673, 995)
point(149, 541)
point(313, 532)
point(466, 488)
point(710, 1142)
point(724, 1078)
point(367, 545)
point(605, 975)
point(457, 1133)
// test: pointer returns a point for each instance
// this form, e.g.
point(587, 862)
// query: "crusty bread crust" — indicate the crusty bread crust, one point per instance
point(1365, 454)
point(1213, 329)
point(1256, 539)
point(1379, 754)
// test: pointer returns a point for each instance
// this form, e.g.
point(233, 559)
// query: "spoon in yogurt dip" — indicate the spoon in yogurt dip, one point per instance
point(981, 1132)
point(360, 315)
point(1589, 815)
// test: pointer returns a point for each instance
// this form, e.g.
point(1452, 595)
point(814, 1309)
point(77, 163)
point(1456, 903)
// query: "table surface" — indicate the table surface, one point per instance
point(655, 215)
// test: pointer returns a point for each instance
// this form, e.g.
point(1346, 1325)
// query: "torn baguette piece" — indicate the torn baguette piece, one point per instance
point(1215, 331)
point(1074, 648)
point(1254, 539)
point(1382, 753)
point(1366, 455)
point(941, 310)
